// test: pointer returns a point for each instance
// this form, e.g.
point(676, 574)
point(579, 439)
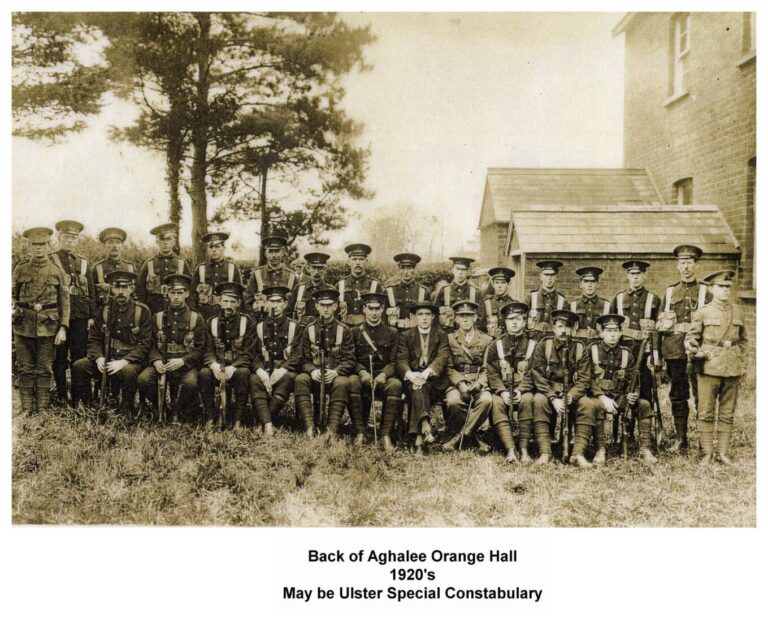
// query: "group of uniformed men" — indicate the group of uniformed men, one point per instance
point(543, 369)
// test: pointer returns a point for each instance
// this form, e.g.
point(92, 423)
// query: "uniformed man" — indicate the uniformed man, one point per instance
point(217, 269)
point(680, 300)
point(507, 363)
point(301, 302)
point(82, 303)
point(149, 288)
point(560, 373)
point(500, 278)
point(113, 239)
point(611, 365)
point(375, 357)
point(715, 341)
point(545, 299)
point(230, 345)
point(41, 299)
point(352, 287)
point(178, 337)
point(640, 308)
point(401, 296)
point(119, 341)
point(275, 273)
point(299, 266)
point(459, 289)
point(325, 338)
point(589, 306)
point(468, 379)
point(423, 355)
point(277, 358)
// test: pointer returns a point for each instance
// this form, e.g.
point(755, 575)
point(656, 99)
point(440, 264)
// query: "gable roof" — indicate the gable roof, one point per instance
point(508, 189)
point(631, 229)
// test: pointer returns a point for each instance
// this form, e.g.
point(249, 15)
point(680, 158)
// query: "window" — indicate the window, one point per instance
point(749, 39)
point(679, 48)
point(683, 191)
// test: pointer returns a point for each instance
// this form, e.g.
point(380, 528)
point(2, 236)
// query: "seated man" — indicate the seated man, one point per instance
point(509, 378)
point(468, 379)
point(327, 357)
point(119, 341)
point(422, 358)
point(228, 356)
point(610, 365)
point(277, 358)
point(375, 355)
point(560, 373)
point(178, 337)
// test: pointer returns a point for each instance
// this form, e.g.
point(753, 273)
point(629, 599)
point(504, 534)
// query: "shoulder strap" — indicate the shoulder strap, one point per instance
point(180, 266)
point(391, 297)
point(606, 307)
point(83, 266)
point(423, 293)
point(488, 308)
point(500, 349)
point(339, 334)
point(260, 331)
point(548, 350)
point(300, 293)
point(201, 272)
point(447, 296)
point(374, 286)
point(104, 313)
point(291, 332)
point(243, 324)
point(130, 267)
point(560, 301)
point(529, 351)
point(136, 314)
point(472, 292)
point(648, 305)
point(579, 350)
point(258, 279)
point(193, 319)
point(215, 326)
point(368, 340)
point(291, 279)
point(595, 354)
point(99, 273)
point(620, 303)
point(702, 295)
point(342, 287)
point(311, 333)
point(668, 298)
point(624, 358)
point(159, 320)
point(574, 306)
point(57, 260)
point(230, 272)
point(150, 269)
point(534, 299)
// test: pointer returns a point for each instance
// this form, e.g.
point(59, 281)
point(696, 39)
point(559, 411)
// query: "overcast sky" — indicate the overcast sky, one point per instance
point(449, 96)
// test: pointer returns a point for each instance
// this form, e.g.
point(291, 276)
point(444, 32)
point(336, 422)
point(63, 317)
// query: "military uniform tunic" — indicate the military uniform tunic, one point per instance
point(466, 370)
point(149, 287)
point(262, 277)
point(453, 292)
point(351, 288)
point(400, 297)
point(206, 277)
point(492, 304)
point(301, 303)
point(541, 303)
point(589, 308)
point(101, 269)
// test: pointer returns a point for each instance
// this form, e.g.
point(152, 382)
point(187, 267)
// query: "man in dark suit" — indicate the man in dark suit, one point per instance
point(422, 358)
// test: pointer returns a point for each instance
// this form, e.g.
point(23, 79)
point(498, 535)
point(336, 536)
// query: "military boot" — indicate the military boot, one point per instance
point(359, 440)
point(268, 429)
point(241, 403)
point(599, 456)
point(541, 431)
point(482, 446)
point(43, 395)
point(391, 412)
point(426, 432)
point(680, 413)
point(27, 396)
point(706, 440)
point(275, 406)
point(524, 439)
point(599, 442)
point(582, 434)
point(503, 431)
point(646, 455)
point(355, 407)
point(525, 457)
point(304, 411)
point(386, 444)
point(453, 443)
point(724, 431)
point(335, 411)
point(209, 410)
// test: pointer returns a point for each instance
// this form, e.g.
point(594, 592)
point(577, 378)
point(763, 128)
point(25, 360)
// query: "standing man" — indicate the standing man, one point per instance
point(178, 334)
point(680, 300)
point(715, 341)
point(352, 287)
point(400, 297)
point(40, 296)
point(82, 303)
point(500, 278)
point(375, 357)
point(228, 354)
point(275, 273)
point(328, 341)
point(459, 289)
point(640, 309)
point(560, 373)
point(277, 358)
point(217, 269)
point(150, 288)
point(113, 239)
point(507, 362)
point(610, 365)
point(119, 341)
point(423, 355)
point(301, 301)
point(589, 306)
point(545, 299)
point(468, 401)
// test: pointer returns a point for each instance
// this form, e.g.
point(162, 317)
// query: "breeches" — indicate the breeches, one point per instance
point(721, 391)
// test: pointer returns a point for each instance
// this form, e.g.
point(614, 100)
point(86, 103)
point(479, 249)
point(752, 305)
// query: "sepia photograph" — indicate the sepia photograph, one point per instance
point(303, 269)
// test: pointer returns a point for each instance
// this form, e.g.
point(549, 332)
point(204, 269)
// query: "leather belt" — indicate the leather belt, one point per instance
point(174, 348)
point(633, 333)
point(587, 333)
point(121, 346)
point(467, 369)
point(606, 385)
point(36, 306)
point(682, 327)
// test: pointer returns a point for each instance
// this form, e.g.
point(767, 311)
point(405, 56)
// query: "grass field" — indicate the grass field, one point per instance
point(76, 468)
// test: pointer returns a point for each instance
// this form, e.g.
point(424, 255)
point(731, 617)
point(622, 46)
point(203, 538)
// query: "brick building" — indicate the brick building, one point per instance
point(689, 117)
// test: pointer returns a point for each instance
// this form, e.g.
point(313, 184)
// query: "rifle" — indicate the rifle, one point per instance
point(322, 415)
point(223, 381)
point(634, 382)
point(565, 422)
point(162, 381)
point(373, 397)
point(657, 417)
point(107, 352)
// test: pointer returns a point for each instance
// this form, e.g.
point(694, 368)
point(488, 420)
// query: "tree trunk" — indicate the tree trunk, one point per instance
point(200, 139)
point(173, 154)
point(264, 216)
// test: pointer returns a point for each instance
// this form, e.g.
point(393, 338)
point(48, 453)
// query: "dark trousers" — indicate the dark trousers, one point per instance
point(420, 401)
point(84, 370)
point(267, 405)
point(456, 416)
point(182, 383)
point(240, 381)
point(73, 349)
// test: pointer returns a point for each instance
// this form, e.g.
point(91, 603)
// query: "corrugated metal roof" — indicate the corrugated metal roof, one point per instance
point(642, 229)
point(517, 188)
